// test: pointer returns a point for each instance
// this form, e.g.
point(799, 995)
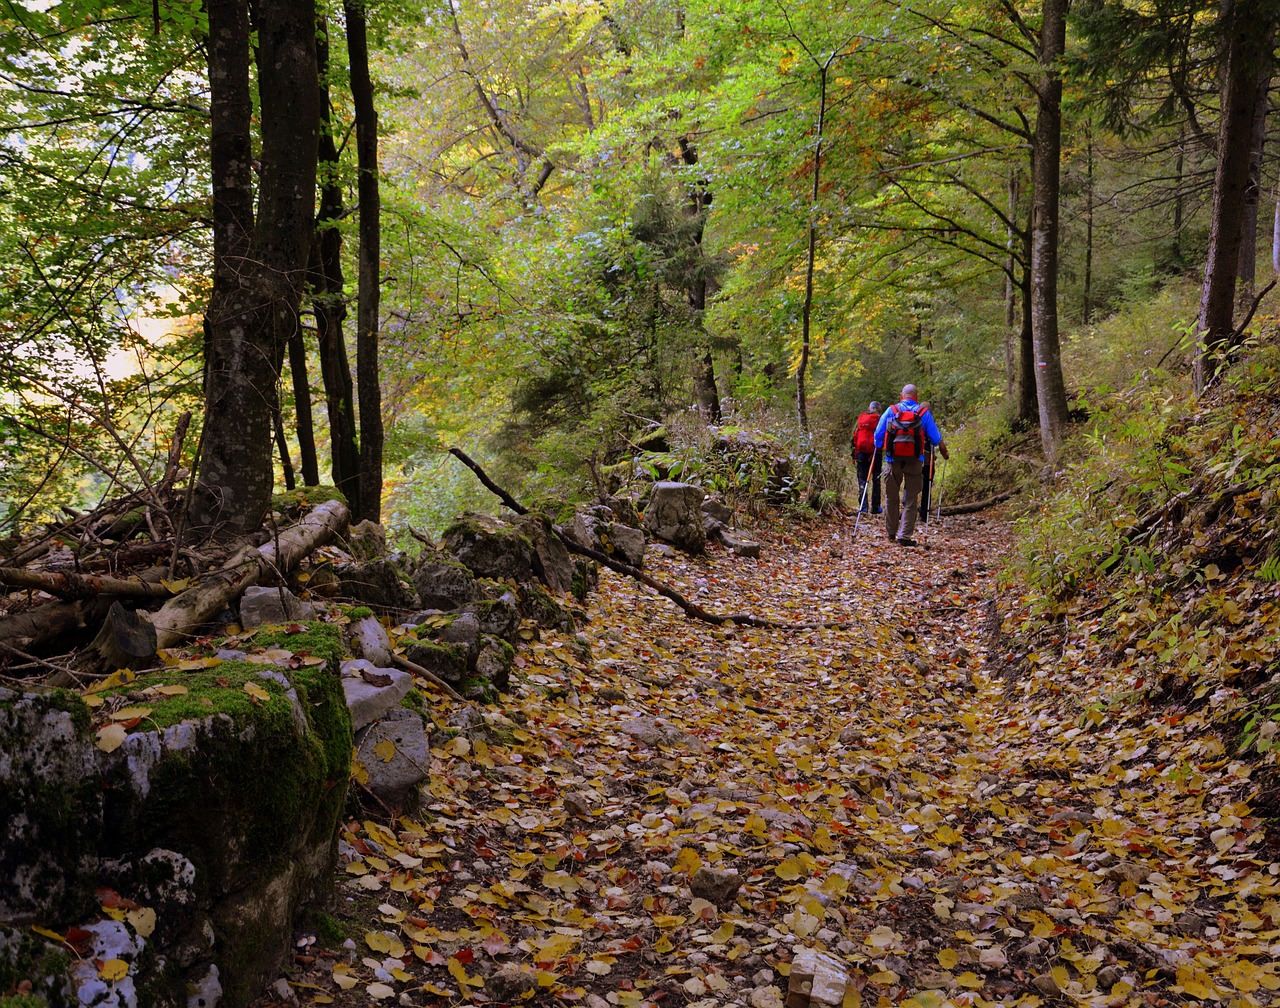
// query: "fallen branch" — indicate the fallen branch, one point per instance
point(427, 674)
point(665, 590)
point(982, 505)
point(79, 586)
point(184, 614)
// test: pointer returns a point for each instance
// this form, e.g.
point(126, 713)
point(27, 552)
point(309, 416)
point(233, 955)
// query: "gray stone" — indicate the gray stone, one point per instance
point(366, 540)
point(449, 661)
point(379, 584)
point(817, 979)
point(444, 583)
point(368, 638)
point(493, 662)
point(462, 629)
point(510, 984)
point(674, 514)
point(740, 544)
point(629, 543)
point(716, 508)
point(498, 617)
point(370, 700)
point(717, 885)
point(47, 858)
point(552, 563)
point(394, 778)
point(261, 606)
point(490, 547)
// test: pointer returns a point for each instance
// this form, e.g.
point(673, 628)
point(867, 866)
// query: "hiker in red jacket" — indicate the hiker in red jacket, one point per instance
point(868, 458)
point(903, 431)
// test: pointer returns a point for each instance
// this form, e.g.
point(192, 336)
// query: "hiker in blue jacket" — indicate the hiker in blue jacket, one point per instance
point(902, 434)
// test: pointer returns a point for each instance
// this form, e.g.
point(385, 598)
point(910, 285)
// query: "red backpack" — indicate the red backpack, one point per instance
point(864, 436)
point(904, 433)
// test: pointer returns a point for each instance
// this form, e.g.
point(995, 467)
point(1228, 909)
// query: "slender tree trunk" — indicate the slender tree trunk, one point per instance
point(806, 310)
point(1047, 153)
point(1248, 268)
point(1248, 32)
point(1028, 414)
point(330, 305)
point(699, 200)
point(1179, 168)
point(1010, 292)
point(282, 449)
point(1087, 309)
point(370, 264)
point(304, 428)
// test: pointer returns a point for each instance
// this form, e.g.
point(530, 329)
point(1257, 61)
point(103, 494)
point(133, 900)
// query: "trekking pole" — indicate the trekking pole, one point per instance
point(942, 485)
point(865, 488)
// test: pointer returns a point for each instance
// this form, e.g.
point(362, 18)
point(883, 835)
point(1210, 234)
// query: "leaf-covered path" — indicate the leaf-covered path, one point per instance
point(951, 826)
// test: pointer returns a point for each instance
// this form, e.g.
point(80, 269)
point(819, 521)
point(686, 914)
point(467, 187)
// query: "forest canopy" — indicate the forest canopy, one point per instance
point(541, 229)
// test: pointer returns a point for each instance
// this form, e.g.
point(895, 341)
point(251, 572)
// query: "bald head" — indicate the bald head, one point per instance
point(908, 391)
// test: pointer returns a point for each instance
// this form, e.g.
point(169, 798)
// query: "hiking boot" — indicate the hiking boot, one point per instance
point(906, 541)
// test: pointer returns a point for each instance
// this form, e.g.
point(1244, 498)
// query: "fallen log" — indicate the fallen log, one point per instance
point(184, 614)
point(665, 590)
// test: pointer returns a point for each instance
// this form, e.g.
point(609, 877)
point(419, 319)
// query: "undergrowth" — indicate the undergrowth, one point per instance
point(1164, 535)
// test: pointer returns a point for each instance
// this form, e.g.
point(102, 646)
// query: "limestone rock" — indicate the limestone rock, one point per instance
point(740, 544)
point(552, 563)
point(46, 766)
point(716, 885)
point(372, 691)
point(444, 583)
point(366, 540)
point(674, 514)
point(379, 584)
point(510, 984)
point(261, 606)
point(490, 547)
point(817, 979)
point(368, 638)
point(394, 778)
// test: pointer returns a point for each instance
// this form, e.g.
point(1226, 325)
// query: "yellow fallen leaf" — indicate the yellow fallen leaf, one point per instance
point(47, 933)
point(170, 689)
point(142, 920)
point(380, 991)
point(111, 737)
point(385, 750)
point(113, 970)
point(130, 713)
point(948, 958)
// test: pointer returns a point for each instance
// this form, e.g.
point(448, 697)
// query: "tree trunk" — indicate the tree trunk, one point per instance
point(330, 306)
point(1010, 292)
point(304, 427)
point(699, 199)
point(1086, 312)
point(802, 407)
point(1028, 401)
point(1247, 35)
point(1046, 154)
point(258, 266)
point(367, 380)
point(1247, 270)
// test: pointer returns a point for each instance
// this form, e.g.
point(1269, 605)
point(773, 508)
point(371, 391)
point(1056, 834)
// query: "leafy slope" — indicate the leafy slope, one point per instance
point(890, 794)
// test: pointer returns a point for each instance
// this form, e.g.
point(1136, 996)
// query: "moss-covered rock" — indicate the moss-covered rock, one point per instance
point(218, 811)
point(50, 806)
point(490, 547)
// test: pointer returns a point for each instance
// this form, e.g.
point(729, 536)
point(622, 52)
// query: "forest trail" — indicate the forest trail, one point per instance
point(949, 826)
